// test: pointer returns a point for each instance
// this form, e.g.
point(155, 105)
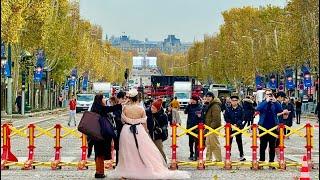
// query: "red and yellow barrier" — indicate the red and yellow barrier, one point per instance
point(6, 153)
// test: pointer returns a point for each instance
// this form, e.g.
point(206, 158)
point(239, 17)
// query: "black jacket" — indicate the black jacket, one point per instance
point(234, 116)
point(162, 120)
point(289, 107)
point(248, 108)
point(193, 119)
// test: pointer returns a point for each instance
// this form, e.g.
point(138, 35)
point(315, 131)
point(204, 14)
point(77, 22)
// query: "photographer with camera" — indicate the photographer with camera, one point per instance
point(269, 109)
point(157, 123)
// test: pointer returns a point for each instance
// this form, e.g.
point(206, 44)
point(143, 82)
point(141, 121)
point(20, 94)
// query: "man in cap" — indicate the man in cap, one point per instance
point(157, 123)
point(234, 115)
point(193, 110)
point(212, 117)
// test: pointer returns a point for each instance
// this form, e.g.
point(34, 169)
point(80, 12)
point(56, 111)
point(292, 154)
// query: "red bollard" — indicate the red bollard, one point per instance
point(174, 165)
point(201, 165)
point(7, 155)
point(309, 144)
point(84, 147)
point(57, 157)
point(28, 164)
point(228, 163)
point(282, 162)
point(255, 164)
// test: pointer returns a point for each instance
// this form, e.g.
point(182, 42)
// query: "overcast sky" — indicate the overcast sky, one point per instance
point(155, 19)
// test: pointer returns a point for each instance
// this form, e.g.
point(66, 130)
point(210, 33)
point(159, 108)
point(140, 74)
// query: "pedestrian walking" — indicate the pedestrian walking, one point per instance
point(175, 103)
point(157, 123)
point(18, 102)
point(234, 115)
point(288, 118)
point(72, 110)
point(269, 109)
point(60, 100)
point(192, 120)
point(298, 110)
point(212, 117)
point(249, 109)
point(173, 115)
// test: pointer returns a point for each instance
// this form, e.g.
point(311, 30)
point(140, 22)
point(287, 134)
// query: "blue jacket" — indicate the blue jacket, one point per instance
point(262, 109)
point(193, 119)
point(234, 116)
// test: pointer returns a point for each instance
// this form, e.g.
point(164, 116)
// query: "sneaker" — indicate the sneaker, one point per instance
point(242, 159)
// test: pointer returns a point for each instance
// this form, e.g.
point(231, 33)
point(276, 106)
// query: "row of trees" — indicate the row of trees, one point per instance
point(68, 40)
point(253, 40)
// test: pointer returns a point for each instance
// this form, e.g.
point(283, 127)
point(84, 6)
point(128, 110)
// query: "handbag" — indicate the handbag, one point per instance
point(90, 126)
point(163, 131)
point(108, 127)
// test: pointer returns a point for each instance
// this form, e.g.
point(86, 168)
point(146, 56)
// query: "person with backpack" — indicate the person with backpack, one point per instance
point(157, 124)
point(234, 115)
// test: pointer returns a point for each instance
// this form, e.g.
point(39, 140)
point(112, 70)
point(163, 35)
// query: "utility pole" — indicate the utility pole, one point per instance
point(9, 85)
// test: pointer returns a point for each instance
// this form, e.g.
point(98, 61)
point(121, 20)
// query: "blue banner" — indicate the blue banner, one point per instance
point(305, 69)
point(38, 74)
point(6, 70)
point(289, 72)
point(272, 84)
point(40, 58)
point(307, 80)
point(290, 84)
point(259, 82)
point(74, 72)
point(3, 50)
point(72, 82)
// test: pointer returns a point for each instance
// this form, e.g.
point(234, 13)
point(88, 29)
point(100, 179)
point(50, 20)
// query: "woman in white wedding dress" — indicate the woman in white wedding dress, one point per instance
point(139, 158)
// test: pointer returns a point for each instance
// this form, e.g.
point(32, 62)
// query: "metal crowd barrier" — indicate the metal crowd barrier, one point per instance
point(228, 164)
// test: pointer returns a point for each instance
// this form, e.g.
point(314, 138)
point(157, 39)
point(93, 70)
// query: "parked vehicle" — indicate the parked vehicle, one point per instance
point(182, 90)
point(220, 90)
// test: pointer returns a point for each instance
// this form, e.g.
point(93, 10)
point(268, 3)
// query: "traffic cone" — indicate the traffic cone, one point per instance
point(305, 174)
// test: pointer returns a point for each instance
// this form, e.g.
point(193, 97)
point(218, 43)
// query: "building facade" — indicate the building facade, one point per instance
point(169, 45)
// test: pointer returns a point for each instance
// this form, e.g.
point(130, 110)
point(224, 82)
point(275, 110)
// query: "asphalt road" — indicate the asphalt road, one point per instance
point(71, 151)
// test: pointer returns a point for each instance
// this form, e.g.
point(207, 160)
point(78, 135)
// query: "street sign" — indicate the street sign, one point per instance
point(66, 88)
point(307, 81)
point(38, 74)
point(40, 58)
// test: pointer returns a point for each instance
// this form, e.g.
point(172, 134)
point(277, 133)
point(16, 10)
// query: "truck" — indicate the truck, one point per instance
point(102, 87)
point(220, 90)
point(182, 90)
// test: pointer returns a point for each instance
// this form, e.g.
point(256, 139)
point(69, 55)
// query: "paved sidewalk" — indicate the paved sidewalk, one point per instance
point(28, 117)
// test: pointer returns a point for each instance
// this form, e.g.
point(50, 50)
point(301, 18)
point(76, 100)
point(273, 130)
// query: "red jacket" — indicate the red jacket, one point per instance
point(72, 104)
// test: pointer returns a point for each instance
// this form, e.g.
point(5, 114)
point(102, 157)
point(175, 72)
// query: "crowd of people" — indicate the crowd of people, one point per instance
point(142, 129)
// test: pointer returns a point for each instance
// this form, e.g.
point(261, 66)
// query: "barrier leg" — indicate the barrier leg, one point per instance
point(173, 164)
point(84, 147)
point(7, 155)
point(282, 162)
point(227, 163)
point(57, 157)
point(255, 165)
point(309, 146)
point(200, 147)
point(28, 164)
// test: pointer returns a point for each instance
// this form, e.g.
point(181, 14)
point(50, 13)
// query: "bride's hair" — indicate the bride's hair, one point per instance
point(134, 99)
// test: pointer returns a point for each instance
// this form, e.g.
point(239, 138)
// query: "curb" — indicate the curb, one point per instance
point(34, 114)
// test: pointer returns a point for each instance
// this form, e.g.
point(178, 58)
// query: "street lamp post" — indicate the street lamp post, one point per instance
point(9, 85)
